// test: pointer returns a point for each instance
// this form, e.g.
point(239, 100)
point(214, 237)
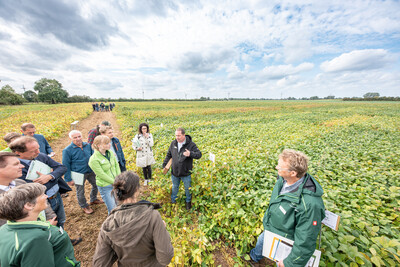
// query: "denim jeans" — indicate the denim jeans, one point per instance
point(58, 207)
point(105, 192)
point(256, 253)
point(176, 181)
point(80, 190)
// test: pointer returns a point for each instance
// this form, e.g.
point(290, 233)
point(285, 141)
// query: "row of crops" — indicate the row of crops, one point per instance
point(355, 155)
point(50, 120)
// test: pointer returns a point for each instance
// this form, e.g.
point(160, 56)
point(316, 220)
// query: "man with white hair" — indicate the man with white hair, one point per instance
point(76, 158)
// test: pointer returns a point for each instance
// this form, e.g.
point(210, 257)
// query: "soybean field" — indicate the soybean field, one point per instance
point(354, 151)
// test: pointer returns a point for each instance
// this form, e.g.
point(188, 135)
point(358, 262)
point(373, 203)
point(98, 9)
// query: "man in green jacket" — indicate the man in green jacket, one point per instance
point(295, 210)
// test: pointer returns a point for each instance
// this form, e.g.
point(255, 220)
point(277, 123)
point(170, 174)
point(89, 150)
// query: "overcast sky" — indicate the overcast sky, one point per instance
point(189, 49)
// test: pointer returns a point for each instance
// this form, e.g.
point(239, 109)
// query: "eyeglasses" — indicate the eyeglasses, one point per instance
point(282, 169)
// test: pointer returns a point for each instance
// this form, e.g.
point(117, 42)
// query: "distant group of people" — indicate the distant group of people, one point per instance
point(133, 233)
point(103, 106)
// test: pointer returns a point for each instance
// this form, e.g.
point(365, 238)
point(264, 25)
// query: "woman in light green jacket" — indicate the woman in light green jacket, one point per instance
point(104, 164)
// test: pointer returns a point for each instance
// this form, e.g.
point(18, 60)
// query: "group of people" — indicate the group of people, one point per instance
point(103, 106)
point(133, 233)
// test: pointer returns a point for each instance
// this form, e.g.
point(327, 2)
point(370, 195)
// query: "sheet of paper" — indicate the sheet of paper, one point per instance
point(277, 248)
point(282, 251)
point(77, 177)
point(136, 142)
point(331, 220)
point(212, 157)
point(37, 166)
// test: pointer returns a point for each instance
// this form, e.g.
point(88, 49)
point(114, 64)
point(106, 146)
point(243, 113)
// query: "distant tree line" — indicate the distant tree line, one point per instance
point(8, 96)
point(310, 98)
point(372, 96)
point(51, 91)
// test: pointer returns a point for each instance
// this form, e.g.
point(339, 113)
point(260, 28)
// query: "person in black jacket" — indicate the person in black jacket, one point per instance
point(182, 151)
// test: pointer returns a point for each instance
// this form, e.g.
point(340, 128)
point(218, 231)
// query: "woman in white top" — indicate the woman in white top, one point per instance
point(143, 143)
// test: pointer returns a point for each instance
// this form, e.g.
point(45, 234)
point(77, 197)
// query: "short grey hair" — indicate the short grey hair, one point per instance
point(13, 201)
point(297, 161)
point(180, 129)
point(73, 132)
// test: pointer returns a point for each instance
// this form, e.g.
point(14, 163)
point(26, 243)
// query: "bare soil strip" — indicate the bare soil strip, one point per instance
point(78, 223)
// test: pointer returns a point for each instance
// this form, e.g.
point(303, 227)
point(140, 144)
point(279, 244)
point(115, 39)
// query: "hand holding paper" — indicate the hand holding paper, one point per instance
point(43, 178)
point(77, 178)
point(35, 168)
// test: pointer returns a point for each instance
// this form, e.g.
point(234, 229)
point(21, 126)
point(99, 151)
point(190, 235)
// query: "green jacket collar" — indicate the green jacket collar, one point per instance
point(309, 186)
point(28, 224)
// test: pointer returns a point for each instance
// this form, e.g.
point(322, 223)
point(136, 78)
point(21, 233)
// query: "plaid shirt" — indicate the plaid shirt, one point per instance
point(92, 135)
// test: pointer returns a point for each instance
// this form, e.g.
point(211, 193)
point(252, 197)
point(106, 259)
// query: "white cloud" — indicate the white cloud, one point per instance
point(281, 71)
point(358, 60)
point(204, 47)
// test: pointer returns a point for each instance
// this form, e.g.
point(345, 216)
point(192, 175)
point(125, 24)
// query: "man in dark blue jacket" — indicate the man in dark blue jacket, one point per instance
point(76, 158)
point(27, 149)
point(29, 129)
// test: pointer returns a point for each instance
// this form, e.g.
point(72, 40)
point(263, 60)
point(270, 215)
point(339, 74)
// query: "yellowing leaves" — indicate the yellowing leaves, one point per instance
point(49, 120)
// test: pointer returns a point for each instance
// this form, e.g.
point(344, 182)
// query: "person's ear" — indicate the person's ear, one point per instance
point(29, 206)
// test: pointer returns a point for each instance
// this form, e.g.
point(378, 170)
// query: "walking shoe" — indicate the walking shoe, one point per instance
point(188, 205)
point(88, 210)
point(76, 241)
point(145, 182)
point(97, 201)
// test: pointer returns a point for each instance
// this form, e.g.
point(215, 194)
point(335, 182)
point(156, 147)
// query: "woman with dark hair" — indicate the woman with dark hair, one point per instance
point(134, 233)
point(25, 239)
point(143, 143)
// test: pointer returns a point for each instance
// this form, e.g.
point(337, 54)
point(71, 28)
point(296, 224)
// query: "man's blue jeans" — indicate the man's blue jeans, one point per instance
point(176, 181)
point(57, 206)
point(256, 253)
point(105, 193)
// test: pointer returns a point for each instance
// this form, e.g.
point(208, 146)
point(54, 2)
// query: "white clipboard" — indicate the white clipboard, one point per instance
point(277, 248)
point(77, 177)
point(37, 166)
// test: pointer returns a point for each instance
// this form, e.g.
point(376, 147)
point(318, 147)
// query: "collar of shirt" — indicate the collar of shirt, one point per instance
point(83, 145)
point(181, 144)
point(8, 187)
point(26, 161)
point(289, 188)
